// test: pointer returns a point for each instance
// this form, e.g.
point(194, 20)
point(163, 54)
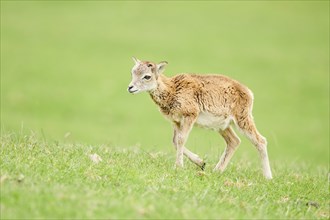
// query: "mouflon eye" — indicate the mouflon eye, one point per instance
point(147, 77)
point(150, 65)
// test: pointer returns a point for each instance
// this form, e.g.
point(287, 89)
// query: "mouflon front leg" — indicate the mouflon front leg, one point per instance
point(181, 133)
point(191, 156)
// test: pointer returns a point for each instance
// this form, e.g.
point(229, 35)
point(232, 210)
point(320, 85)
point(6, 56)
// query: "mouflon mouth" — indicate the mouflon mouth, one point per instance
point(132, 90)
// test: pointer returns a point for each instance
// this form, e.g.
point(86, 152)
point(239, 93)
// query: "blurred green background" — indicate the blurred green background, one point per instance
point(65, 67)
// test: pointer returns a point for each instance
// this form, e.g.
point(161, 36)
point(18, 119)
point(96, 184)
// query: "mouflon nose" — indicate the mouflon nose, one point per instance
point(129, 88)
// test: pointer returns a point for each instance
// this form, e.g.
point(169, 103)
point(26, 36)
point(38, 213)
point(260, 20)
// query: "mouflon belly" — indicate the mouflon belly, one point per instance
point(211, 121)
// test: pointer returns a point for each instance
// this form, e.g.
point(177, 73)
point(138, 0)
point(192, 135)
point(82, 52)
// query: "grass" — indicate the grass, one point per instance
point(61, 181)
point(65, 67)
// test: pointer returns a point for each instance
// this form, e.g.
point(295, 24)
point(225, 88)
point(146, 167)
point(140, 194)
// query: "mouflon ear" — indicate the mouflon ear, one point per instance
point(136, 61)
point(161, 67)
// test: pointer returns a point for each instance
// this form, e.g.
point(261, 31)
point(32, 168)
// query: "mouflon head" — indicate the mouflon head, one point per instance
point(145, 75)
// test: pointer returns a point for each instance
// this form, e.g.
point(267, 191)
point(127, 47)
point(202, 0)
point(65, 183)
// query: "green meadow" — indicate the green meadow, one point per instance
point(65, 68)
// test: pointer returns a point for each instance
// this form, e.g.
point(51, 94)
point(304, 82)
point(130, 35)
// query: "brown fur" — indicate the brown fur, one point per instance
point(187, 94)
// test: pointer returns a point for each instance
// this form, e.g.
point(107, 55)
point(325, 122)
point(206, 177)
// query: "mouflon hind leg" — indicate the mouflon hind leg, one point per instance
point(232, 142)
point(248, 128)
